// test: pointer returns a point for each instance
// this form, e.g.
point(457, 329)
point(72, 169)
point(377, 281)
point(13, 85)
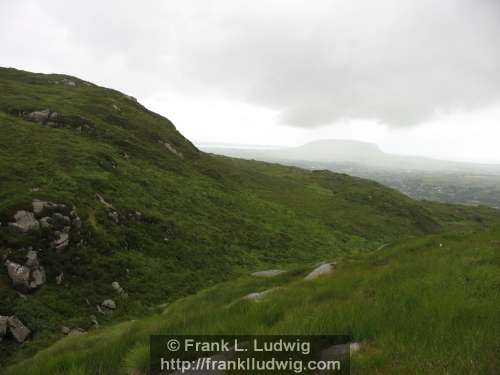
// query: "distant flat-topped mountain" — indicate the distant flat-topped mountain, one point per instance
point(353, 152)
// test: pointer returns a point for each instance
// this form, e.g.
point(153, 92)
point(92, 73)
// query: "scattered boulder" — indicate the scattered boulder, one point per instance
point(324, 269)
point(107, 306)
point(171, 148)
point(60, 278)
point(113, 215)
point(39, 206)
point(17, 329)
point(255, 297)
point(337, 351)
point(101, 199)
point(117, 287)
point(93, 320)
point(115, 107)
point(25, 221)
point(61, 241)
point(38, 278)
point(38, 116)
point(65, 330)
point(32, 259)
point(268, 273)
point(77, 332)
point(28, 277)
point(19, 275)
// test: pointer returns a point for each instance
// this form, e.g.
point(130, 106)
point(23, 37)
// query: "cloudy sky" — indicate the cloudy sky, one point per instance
point(416, 77)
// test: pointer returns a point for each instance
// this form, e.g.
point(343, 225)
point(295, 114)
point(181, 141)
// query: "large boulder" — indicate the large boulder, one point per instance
point(19, 275)
point(340, 351)
point(17, 329)
point(107, 306)
point(61, 241)
point(324, 269)
point(40, 206)
point(39, 116)
point(268, 273)
point(28, 277)
point(255, 297)
point(25, 221)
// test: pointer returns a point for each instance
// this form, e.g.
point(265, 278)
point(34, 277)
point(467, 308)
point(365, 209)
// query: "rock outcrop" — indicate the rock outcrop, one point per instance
point(13, 326)
point(25, 221)
point(255, 297)
point(118, 288)
point(107, 306)
point(268, 273)
point(28, 277)
point(324, 269)
point(338, 351)
point(57, 222)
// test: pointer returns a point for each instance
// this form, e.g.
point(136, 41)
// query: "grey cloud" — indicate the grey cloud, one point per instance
point(318, 62)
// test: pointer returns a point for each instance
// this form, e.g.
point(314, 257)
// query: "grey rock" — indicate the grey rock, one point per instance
point(38, 278)
point(172, 149)
point(322, 270)
point(45, 222)
point(61, 241)
point(17, 329)
point(39, 206)
point(268, 273)
point(19, 275)
point(116, 286)
point(60, 278)
point(101, 199)
point(108, 304)
point(61, 219)
point(65, 330)
point(39, 116)
point(259, 296)
point(77, 332)
point(115, 107)
point(113, 215)
point(25, 221)
point(32, 259)
point(77, 223)
point(335, 352)
point(94, 321)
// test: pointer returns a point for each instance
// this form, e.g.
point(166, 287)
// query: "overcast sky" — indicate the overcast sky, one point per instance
point(417, 77)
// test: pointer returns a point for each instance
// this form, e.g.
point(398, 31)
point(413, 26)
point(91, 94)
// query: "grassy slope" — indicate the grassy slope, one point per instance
point(424, 306)
point(207, 218)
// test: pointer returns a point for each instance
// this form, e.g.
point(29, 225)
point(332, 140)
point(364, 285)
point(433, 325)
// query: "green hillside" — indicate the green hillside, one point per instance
point(150, 211)
point(424, 306)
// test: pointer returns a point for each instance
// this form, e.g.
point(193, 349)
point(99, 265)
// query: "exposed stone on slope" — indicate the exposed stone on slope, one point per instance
point(323, 269)
point(171, 148)
point(259, 296)
point(117, 287)
point(338, 351)
point(25, 221)
point(38, 116)
point(107, 306)
point(29, 277)
point(19, 275)
point(268, 273)
point(17, 329)
point(61, 241)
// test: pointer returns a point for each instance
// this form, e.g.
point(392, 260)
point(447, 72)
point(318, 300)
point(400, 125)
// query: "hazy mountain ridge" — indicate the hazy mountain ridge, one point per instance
point(420, 178)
